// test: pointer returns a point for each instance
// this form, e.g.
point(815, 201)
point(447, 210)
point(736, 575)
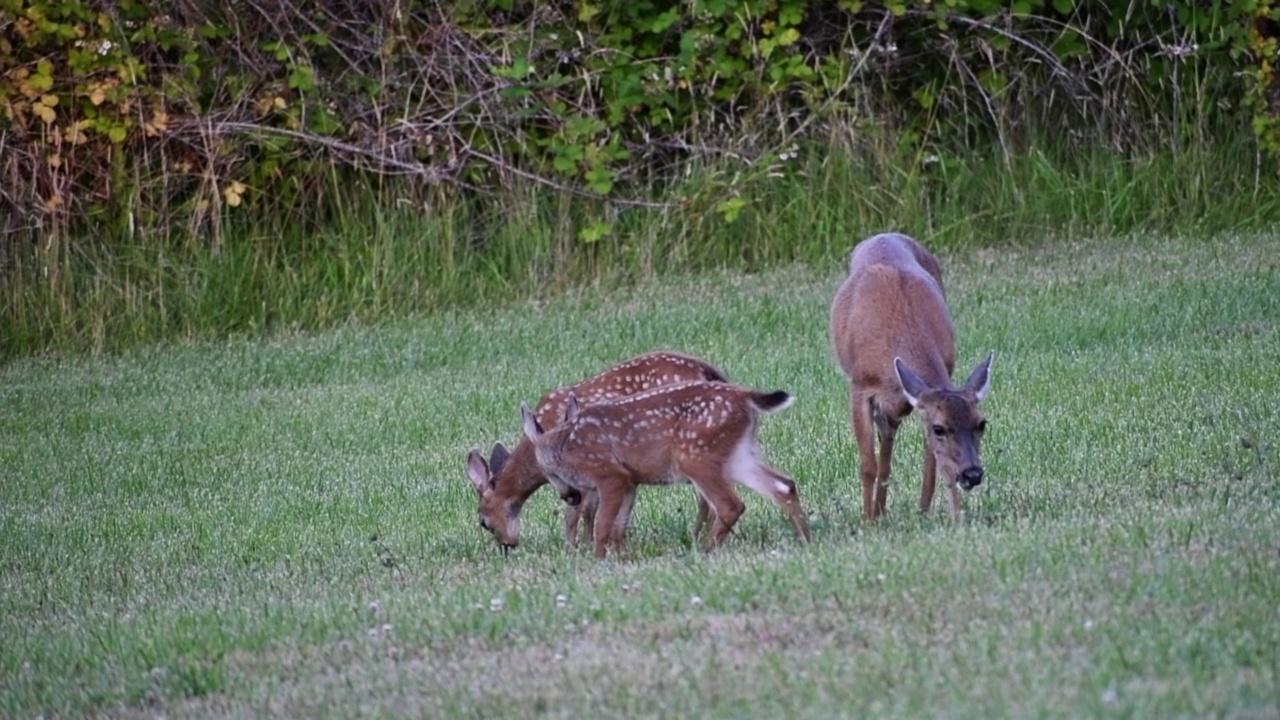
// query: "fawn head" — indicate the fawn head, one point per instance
point(498, 515)
point(952, 421)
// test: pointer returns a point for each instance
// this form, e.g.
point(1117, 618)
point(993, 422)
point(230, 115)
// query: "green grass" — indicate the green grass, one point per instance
point(284, 527)
point(360, 252)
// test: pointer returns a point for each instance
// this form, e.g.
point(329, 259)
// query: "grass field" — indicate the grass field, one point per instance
point(285, 528)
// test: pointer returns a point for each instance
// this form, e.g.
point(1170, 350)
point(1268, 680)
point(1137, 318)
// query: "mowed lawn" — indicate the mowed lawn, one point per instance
point(285, 528)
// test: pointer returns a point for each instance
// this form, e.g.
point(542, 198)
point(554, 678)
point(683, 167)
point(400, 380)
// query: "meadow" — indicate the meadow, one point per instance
point(283, 527)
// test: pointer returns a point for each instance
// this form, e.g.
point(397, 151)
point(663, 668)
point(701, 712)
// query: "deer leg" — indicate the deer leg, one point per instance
point(611, 500)
point(930, 479)
point(887, 435)
point(590, 504)
point(572, 514)
point(953, 494)
point(623, 520)
point(860, 409)
point(788, 498)
point(708, 477)
point(703, 519)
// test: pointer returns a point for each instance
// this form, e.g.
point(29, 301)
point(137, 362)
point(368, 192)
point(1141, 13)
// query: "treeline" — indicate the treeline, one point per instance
point(202, 122)
point(150, 114)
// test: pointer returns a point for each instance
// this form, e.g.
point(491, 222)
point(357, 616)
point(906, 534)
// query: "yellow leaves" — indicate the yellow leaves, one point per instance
point(234, 193)
point(75, 133)
point(158, 123)
point(44, 108)
point(267, 103)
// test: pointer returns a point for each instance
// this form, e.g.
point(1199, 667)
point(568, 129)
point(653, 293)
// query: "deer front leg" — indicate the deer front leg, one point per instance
point(623, 520)
point(930, 479)
point(572, 514)
point(864, 435)
point(887, 435)
point(611, 497)
point(590, 504)
point(953, 494)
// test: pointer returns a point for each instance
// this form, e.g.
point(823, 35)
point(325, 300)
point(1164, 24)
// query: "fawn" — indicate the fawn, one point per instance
point(892, 334)
point(701, 431)
point(507, 479)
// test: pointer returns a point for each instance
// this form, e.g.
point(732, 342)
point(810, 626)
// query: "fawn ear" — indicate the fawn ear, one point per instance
point(498, 458)
point(478, 470)
point(912, 385)
point(980, 379)
point(571, 408)
point(532, 429)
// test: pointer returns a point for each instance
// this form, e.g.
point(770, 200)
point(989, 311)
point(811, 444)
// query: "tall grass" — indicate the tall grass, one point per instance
point(364, 252)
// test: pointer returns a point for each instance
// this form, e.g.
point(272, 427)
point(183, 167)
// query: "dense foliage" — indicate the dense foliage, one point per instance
point(139, 142)
point(150, 113)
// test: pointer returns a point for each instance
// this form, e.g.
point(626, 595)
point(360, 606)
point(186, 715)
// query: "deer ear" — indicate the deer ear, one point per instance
point(571, 408)
point(498, 458)
point(532, 429)
point(911, 383)
point(478, 470)
point(979, 381)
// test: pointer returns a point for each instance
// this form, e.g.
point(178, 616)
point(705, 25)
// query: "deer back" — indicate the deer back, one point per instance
point(892, 304)
point(648, 436)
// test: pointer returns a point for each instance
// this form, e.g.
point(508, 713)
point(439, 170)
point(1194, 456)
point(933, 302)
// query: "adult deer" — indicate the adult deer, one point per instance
point(701, 431)
point(506, 480)
point(892, 333)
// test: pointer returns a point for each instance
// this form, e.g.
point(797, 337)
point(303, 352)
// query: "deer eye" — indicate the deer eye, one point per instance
point(939, 431)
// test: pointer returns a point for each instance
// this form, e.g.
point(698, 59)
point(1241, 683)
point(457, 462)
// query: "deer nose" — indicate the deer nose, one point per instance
point(971, 478)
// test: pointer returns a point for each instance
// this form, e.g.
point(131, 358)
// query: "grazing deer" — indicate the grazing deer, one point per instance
point(703, 432)
point(506, 480)
point(892, 333)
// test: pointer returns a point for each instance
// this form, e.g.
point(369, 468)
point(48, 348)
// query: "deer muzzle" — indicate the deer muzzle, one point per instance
point(970, 478)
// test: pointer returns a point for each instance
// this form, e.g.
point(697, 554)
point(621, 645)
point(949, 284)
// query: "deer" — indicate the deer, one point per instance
point(892, 334)
point(703, 432)
point(507, 479)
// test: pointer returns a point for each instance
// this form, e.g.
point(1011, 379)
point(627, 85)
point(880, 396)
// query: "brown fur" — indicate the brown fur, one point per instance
point(700, 431)
point(505, 481)
point(890, 327)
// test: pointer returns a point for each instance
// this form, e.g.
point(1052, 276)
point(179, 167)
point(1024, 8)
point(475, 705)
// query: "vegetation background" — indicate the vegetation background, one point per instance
point(269, 268)
point(202, 169)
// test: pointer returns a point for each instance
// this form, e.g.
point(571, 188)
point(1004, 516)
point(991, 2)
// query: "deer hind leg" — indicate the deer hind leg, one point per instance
point(930, 479)
point(788, 498)
point(864, 434)
point(703, 520)
point(709, 479)
point(745, 468)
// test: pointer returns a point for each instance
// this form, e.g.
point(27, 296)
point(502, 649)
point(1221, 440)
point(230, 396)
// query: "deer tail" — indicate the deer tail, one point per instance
point(713, 374)
point(772, 402)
